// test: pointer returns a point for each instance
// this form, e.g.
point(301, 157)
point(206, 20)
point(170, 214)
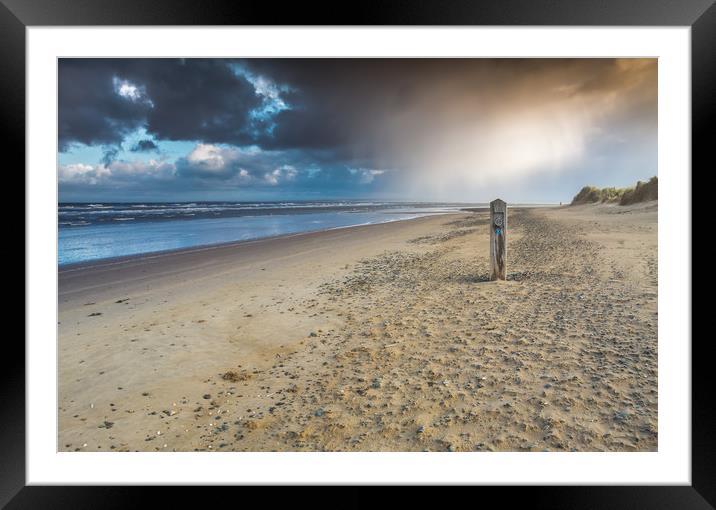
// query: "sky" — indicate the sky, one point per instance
point(461, 130)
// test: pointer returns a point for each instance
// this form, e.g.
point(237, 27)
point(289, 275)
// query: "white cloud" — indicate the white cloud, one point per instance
point(236, 165)
point(289, 172)
point(131, 91)
point(216, 159)
point(272, 177)
point(212, 158)
point(284, 173)
point(369, 175)
point(81, 173)
point(366, 175)
point(117, 172)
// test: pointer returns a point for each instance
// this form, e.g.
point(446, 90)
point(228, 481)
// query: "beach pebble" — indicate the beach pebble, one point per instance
point(621, 416)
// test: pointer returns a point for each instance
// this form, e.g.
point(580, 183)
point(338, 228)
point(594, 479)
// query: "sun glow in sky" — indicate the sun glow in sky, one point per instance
point(530, 130)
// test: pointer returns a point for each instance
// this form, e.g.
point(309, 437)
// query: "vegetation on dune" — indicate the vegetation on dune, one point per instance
point(642, 192)
point(590, 195)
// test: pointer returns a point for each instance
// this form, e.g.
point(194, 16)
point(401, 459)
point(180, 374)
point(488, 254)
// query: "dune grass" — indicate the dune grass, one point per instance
point(642, 192)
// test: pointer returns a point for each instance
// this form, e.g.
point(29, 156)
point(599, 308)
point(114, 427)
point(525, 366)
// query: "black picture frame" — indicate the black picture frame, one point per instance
point(700, 15)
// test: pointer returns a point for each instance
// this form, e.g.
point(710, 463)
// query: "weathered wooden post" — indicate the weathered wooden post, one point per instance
point(498, 236)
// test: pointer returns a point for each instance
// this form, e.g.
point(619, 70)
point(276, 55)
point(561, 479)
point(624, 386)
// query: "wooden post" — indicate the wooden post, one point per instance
point(498, 236)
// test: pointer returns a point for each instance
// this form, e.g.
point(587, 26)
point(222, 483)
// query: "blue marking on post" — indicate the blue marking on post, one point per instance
point(498, 231)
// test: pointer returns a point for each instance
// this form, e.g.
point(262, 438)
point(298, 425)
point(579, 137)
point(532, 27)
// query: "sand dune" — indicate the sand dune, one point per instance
point(377, 338)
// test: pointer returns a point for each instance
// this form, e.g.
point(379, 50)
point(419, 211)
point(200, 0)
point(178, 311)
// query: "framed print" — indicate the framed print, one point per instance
point(419, 246)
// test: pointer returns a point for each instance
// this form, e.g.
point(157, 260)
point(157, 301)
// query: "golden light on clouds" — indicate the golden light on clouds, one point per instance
point(551, 119)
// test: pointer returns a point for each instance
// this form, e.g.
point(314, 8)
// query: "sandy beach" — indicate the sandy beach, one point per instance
point(374, 338)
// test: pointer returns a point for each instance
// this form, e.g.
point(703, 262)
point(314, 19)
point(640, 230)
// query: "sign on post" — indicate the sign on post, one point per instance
point(498, 237)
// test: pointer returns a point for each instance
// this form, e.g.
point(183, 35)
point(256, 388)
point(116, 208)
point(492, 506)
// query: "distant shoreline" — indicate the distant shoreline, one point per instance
point(74, 266)
point(151, 228)
point(139, 257)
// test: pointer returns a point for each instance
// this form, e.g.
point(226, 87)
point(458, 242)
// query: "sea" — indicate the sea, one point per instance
point(102, 231)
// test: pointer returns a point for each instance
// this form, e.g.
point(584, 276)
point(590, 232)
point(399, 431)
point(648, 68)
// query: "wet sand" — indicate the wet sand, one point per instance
point(376, 338)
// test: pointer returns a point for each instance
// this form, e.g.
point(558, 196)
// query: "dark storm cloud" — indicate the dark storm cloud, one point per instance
point(144, 146)
point(344, 101)
point(103, 100)
point(336, 104)
point(90, 111)
point(339, 98)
